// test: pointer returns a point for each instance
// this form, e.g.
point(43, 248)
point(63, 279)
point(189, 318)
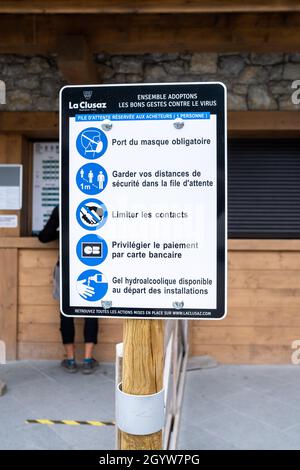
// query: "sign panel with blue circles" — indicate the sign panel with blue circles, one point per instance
point(91, 178)
point(143, 200)
point(91, 250)
point(91, 143)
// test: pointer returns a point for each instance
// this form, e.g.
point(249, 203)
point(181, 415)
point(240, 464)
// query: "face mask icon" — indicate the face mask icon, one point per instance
point(91, 143)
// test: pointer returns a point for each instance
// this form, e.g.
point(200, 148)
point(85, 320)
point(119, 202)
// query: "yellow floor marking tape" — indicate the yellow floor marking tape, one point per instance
point(70, 422)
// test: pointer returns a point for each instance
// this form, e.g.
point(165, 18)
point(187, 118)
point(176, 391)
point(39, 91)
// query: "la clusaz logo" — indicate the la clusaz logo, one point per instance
point(86, 104)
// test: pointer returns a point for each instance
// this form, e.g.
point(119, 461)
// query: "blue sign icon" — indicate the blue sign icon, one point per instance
point(91, 214)
point(91, 285)
point(91, 178)
point(91, 250)
point(91, 143)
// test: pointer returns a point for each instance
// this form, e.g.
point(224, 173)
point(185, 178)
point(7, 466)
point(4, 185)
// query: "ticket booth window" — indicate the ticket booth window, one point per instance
point(45, 182)
point(264, 188)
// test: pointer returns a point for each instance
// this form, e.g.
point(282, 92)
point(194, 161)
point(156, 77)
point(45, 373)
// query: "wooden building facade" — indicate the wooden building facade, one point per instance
point(264, 273)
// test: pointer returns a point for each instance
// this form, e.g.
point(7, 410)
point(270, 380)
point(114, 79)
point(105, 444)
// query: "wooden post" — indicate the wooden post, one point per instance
point(143, 362)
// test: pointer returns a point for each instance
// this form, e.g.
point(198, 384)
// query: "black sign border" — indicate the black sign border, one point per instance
point(207, 91)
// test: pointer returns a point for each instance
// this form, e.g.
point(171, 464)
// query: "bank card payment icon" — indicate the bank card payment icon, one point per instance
point(91, 250)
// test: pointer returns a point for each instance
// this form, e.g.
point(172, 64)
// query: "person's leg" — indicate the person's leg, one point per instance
point(68, 334)
point(88, 350)
point(70, 350)
point(90, 336)
point(90, 339)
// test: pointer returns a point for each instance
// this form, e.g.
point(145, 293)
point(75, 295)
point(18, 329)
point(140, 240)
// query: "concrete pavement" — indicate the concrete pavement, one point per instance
point(227, 407)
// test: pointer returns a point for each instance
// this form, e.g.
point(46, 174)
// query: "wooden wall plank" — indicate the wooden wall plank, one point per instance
point(36, 277)
point(43, 124)
point(103, 352)
point(269, 279)
point(38, 314)
point(36, 332)
point(258, 316)
point(245, 354)
point(27, 242)
point(246, 335)
point(263, 245)
point(280, 298)
point(37, 258)
point(148, 33)
point(273, 124)
point(279, 260)
point(8, 300)
point(142, 6)
point(32, 295)
point(50, 314)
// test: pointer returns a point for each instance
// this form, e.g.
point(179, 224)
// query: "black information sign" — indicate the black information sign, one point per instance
point(143, 200)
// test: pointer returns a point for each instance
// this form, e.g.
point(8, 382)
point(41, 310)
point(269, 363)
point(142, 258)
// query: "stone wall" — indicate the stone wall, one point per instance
point(32, 83)
point(254, 81)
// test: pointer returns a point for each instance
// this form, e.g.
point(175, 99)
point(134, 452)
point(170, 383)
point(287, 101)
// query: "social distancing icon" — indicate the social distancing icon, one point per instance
point(91, 250)
point(91, 285)
point(91, 143)
point(91, 214)
point(91, 178)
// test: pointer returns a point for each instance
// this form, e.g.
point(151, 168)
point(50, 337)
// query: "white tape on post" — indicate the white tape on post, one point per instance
point(140, 414)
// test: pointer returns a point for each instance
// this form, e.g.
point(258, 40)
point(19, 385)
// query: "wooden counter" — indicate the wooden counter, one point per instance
point(26, 242)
